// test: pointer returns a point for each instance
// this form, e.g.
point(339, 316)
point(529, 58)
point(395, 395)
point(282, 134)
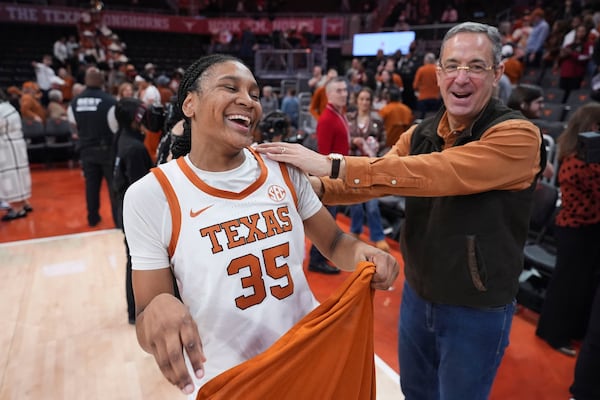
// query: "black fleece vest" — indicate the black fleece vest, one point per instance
point(466, 250)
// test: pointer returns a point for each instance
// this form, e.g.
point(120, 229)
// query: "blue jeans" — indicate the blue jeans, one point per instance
point(450, 352)
point(357, 214)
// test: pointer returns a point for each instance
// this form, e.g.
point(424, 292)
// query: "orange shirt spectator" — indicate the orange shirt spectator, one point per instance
point(30, 104)
point(397, 117)
point(426, 79)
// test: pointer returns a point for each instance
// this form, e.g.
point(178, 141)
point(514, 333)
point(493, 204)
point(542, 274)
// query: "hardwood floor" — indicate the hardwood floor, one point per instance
point(40, 317)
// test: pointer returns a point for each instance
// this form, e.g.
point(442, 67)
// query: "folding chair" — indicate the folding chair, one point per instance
point(554, 95)
point(59, 139)
point(550, 128)
point(35, 137)
point(539, 253)
point(553, 112)
point(551, 150)
point(578, 98)
point(550, 81)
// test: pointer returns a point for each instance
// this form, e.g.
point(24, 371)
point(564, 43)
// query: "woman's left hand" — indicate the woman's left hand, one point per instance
point(299, 156)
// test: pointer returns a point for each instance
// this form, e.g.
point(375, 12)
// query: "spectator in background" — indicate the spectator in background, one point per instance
point(150, 72)
point(61, 53)
point(367, 137)
point(449, 15)
point(529, 99)
point(162, 84)
point(385, 81)
point(132, 162)
point(176, 79)
point(573, 60)
point(520, 35)
point(290, 105)
point(149, 95)
point(317, 79)
point(125, 90)
point(67, 87)
point(569, 37)
point(268, 100)
point(333, 137)
point(77, 89)
point(426, 87)
point(31, 107)
point(73, 54)
point(407, 66)
point(15, 178)
point(397, 117)
point(43, 75)
point(318, 101)
point(569, 296)
point(56, 109)
point(534, 49)
point(513, 68)
point(568, 9)
point(92, 115)
point(146, 91)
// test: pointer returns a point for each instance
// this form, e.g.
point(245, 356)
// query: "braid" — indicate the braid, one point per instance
point(189, 83)
point(181, 145)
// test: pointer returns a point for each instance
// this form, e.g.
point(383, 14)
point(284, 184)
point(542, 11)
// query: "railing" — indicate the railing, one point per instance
point(281, 64)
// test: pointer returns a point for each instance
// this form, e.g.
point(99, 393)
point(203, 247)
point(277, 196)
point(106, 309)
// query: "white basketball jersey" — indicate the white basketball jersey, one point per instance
point(243, 251)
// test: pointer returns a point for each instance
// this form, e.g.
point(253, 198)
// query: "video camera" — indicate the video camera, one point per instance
point(275, 124)
point(154, 118)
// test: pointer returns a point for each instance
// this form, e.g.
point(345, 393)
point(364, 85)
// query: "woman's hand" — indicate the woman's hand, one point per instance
point(299, 156)
point(165, 329)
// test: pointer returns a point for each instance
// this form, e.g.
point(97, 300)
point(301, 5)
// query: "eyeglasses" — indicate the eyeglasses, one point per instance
point(451, 69)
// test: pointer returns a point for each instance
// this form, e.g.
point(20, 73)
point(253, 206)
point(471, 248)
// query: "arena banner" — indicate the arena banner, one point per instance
point(31, 14)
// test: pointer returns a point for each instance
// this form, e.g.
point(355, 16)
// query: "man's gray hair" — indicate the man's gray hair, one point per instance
point(475, 27)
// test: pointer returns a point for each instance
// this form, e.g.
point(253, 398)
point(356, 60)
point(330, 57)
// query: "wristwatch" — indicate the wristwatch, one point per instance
point(336, 160)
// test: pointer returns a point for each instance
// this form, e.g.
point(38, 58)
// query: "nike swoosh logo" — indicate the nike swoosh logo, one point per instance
point(194, 214)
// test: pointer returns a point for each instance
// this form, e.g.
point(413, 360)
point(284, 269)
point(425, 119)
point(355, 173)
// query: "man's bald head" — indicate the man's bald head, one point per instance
point(94, 78)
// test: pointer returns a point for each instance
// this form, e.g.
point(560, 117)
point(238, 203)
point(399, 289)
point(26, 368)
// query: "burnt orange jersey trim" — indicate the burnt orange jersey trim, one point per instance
point(200, 184)
point(288, 182)
point(173, 206)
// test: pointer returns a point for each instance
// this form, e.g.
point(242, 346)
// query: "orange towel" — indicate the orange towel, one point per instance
point(328, 354)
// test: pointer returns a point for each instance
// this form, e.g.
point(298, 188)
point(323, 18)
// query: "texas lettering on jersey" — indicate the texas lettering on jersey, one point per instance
point(248, 229)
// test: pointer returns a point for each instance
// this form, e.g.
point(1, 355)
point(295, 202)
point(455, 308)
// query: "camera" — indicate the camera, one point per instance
point(588, 147)
point(276, 125)
point(154, 118)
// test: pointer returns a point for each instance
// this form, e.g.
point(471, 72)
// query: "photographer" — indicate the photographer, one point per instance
point(131, 163)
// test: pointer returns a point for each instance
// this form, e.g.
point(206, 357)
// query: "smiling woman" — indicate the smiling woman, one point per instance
point(229, 225)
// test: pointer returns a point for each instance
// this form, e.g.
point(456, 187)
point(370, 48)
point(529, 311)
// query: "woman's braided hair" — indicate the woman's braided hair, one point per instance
point(189, 83)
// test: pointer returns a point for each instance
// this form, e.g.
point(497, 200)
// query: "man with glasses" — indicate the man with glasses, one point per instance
point(468, 174)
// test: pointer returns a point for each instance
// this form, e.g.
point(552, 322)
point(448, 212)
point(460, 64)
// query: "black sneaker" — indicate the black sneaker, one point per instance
point(323, 268)
point(12, 214)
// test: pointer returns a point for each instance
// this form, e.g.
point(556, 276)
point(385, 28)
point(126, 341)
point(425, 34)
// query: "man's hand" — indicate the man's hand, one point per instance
point(299, 156)
point(164, 329)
